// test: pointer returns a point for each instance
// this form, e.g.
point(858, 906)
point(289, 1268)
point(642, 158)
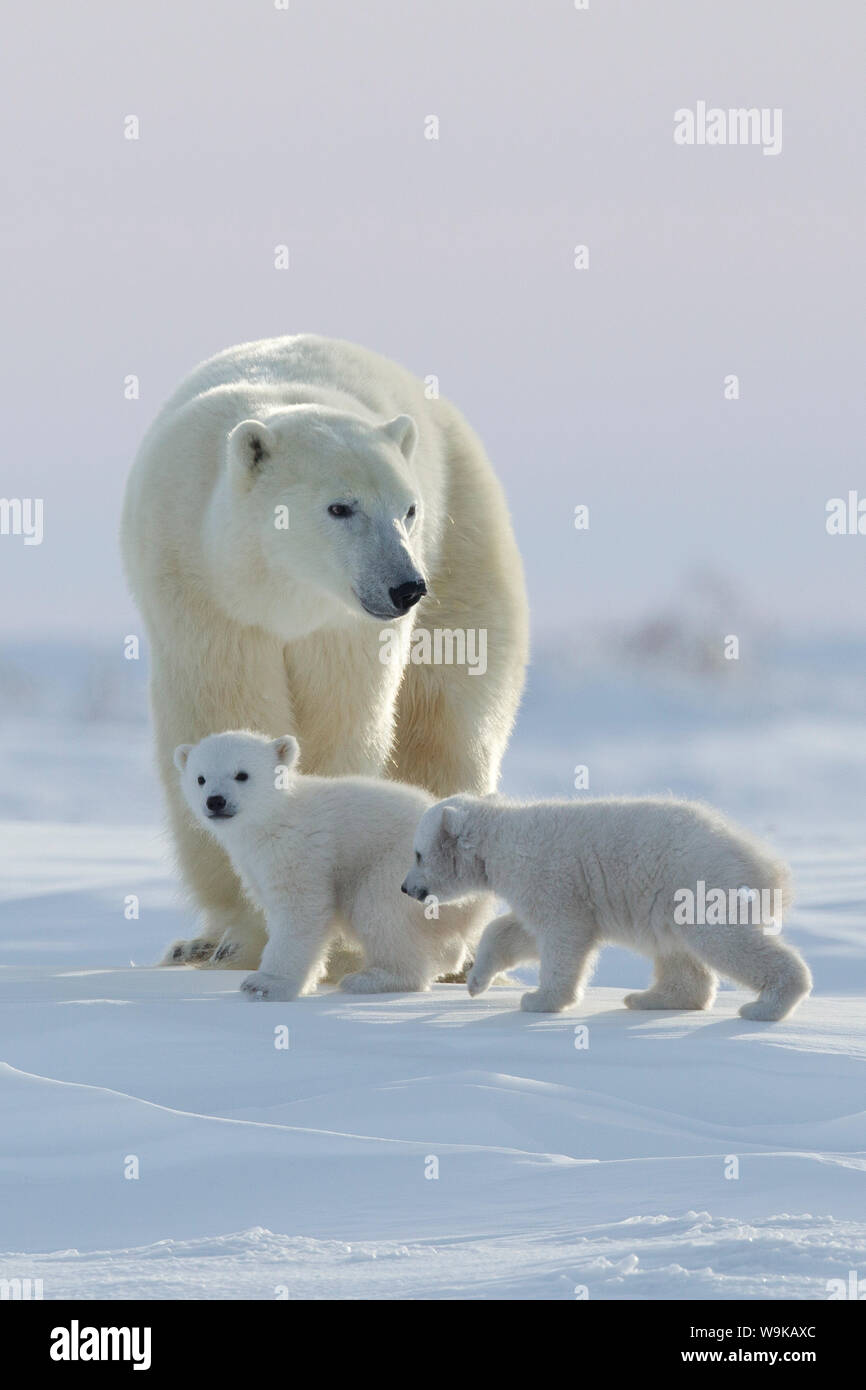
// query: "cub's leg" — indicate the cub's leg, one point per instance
point(455, 935)
point(751, 956)
point(292, 961)
point(505, 943)
point(400, 956)
point(681, 982)
point(568, 950)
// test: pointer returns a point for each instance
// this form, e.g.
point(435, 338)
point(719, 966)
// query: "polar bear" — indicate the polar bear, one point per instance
point(322, 857)
point(671, 879)
point(297, 515)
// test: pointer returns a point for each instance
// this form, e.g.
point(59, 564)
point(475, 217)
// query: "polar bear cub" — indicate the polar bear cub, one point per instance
point(323, 858)
point(671, 879)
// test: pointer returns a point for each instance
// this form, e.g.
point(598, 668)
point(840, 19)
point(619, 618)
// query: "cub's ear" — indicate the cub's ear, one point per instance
point(287, 750)
point(453, 821)
point(403, 432)
point(181, 753)
point(250, 445)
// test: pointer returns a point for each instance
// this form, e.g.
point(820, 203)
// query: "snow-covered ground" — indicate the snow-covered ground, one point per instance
point(428, 1146)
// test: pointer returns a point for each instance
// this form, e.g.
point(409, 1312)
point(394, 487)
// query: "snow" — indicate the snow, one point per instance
point(564, 1170)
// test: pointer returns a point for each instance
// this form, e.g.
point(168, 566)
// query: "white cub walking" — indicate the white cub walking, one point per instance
point(671, 879)
point(323, 858)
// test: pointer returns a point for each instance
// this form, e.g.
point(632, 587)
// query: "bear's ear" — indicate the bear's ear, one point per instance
point(403, 432)
point(250, 446)
point(181, 753)
point(453, 821)
point(287, 750)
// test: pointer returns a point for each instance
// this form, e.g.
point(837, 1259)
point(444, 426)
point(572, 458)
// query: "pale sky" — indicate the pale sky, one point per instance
point(601, 386)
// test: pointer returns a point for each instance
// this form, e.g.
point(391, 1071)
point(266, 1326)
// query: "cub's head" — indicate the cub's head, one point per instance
point(330, 508)
point(233, 774)
point(448, 864)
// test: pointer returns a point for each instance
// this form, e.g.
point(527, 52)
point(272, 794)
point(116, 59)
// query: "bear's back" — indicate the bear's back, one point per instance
point(304, 359)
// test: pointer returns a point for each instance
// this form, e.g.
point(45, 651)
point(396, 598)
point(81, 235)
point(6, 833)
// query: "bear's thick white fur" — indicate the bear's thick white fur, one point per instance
point(323, 858)
point(256, 626)
point(577, 874)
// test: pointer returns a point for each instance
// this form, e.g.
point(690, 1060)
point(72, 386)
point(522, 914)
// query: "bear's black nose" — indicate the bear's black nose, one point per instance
point(216, 803)
point(405, 596)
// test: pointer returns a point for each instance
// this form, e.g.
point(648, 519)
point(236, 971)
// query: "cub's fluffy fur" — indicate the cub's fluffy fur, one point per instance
point(323, 858)
point(577, 874)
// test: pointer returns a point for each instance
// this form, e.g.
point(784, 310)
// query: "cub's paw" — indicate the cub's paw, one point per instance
point(649, 999)
point(193, 952)
point(477, 981)
point(544, 1001)
point(261, 986)
point(763, 1011)
point(235, 952)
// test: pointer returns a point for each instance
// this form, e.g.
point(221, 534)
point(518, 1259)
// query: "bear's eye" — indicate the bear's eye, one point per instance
point(340, 509)
point(417, 856)
point(241, 776)
point(411, 512)
point(201, 781)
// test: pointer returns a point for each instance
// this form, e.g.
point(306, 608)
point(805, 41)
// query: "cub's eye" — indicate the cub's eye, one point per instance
point(340, 509)
point(201, 781)
point(241, 776)
point(411, 512)
point(417, 856)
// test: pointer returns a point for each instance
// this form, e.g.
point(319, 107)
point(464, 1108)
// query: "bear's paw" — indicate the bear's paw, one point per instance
point(193, 952)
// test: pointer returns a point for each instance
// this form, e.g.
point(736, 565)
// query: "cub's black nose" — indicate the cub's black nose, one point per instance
point(216, 803)
point(405, 596)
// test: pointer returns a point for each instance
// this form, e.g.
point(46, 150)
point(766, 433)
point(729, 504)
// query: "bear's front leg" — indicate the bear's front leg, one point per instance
point(242, 941)
point(229, 939)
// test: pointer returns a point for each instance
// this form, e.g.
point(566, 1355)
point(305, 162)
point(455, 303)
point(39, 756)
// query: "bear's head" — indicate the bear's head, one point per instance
point(331, 512)
point(235, 774)
point(448, 861)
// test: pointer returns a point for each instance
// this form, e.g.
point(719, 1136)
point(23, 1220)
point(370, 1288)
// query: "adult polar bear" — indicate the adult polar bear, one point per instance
point(292, 501)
